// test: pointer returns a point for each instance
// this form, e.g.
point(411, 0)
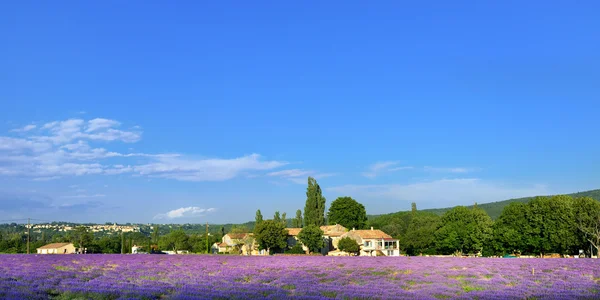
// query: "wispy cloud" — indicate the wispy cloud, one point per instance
point(205, 169)
point(450, 170)
point(299, 176)
point(184, 212)
point(378, 168)
point(443, 191)
point(65, 148)
point(84, 196)
point(25, 128)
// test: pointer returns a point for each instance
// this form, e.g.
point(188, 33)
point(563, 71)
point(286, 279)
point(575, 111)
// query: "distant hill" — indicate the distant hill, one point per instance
point(494, 209)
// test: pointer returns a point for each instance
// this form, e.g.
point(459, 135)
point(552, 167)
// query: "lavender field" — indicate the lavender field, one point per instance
point(279, 277)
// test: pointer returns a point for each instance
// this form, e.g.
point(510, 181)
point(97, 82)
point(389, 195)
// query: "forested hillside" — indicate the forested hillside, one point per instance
point(493, 209)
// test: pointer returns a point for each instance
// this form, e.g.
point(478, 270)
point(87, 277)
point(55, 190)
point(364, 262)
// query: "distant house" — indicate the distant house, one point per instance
point(331, 235)
point(374, 242)
point(57, 248)
point(292, 238)
point(242, 243)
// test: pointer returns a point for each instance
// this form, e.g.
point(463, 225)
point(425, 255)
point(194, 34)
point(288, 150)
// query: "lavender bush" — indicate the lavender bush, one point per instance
point(278, 277)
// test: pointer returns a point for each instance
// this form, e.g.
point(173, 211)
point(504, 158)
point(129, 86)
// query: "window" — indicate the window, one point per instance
point(390, 253)
point(367, 243)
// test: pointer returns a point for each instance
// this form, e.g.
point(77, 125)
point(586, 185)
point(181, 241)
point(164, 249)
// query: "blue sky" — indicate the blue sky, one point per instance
point(192, 112)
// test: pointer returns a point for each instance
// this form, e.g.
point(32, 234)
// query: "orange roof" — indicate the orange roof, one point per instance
point(372, 234)
point(333, 230)
point(54, 246)
point(293, 231)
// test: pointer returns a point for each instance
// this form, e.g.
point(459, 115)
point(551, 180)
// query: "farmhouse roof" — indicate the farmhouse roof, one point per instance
point(334, 230)
point(54, 245)
point(293, 231)
point(372, 234)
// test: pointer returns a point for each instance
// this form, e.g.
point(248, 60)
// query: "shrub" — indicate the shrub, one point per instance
point(297, 249)
point(349, 245)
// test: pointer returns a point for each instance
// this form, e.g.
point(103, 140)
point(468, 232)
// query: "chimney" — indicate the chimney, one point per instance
point(371, 227)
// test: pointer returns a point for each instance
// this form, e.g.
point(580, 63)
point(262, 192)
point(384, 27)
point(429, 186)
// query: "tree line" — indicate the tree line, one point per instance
point(558, 224)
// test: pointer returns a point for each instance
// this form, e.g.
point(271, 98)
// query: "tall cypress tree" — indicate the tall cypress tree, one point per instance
point(259, 218)
point(297, 222)
point(314, 211)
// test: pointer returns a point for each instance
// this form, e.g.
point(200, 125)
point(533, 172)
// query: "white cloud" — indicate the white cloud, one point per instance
point(65, 148)
point(215, 169)
point(77, 196)
point(291, 173)
point(444, 192)
point(18, 144)
point(378, 168)
point(449, 170)
point(184, 212)
point(25, 128)
point(100, 123)
point(299, 176)
point(97, 129)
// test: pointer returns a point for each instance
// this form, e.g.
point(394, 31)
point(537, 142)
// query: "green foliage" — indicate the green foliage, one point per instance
point(276, 217)
point(419, 237)
point(297, 222)
point(259, 217)
point(463, 230)
point(494, 209)
point(348, 213)
point(176, 240)
point(314, 210)
point(349, 245)
point(80, 236)
point(271, 235)
point(312, 237)
point(297, 249)
point(587, 219)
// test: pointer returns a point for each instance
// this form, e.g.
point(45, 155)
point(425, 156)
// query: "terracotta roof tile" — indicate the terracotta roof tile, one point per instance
point(372, 234)
point(293, 231)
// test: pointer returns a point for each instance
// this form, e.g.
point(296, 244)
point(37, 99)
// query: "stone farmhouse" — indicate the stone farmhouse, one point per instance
point(57, 248)
point(374, 242)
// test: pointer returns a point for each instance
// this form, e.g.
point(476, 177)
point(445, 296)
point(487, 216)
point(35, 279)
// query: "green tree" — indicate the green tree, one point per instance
point(552, 225)
point(271, 235)
point(297, 222)
point(587, 218)
point(511, 230)
point(312, 237)
point(81, 237)
point(349, 245)
point(283, 219)
point(176, 240)
point(463, 230)
point(276, 217)
point(258, 218)
point(419, 237)
point(413, 207)
point(155, 234)
point(348, 213)
point(314, 210)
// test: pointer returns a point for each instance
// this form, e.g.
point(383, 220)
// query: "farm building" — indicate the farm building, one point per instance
point(374, 242)
point(57, 248)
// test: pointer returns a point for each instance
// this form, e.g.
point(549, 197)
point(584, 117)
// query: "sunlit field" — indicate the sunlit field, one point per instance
point(303, 277)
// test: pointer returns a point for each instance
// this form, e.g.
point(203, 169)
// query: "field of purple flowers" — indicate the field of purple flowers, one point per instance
point(278, 277)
